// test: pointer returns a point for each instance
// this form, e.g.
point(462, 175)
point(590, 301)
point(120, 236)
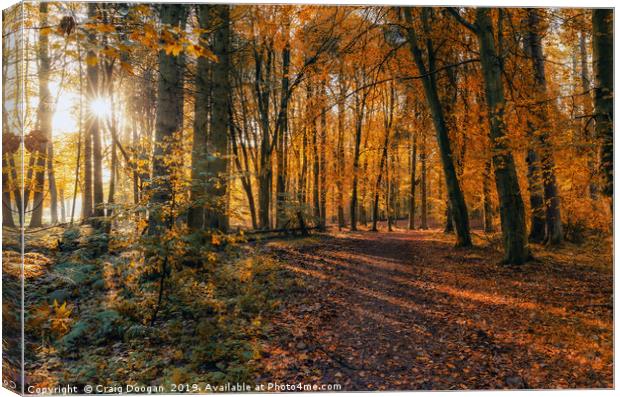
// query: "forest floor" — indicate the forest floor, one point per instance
point(402, 310)
point(407, 310)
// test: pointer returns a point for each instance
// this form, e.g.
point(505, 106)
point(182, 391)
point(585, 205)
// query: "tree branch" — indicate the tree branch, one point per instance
point(455, 13)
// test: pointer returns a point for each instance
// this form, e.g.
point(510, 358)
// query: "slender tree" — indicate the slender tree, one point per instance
point(512, 210)
point(603, 45)
point(455, 194)
point(168, 120)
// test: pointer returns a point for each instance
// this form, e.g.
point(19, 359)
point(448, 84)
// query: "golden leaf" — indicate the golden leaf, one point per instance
point(91, 60)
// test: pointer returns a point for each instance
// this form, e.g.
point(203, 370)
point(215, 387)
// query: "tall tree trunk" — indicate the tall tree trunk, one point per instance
point(323, 161)
point(340, 153)
point(51, 179)
point(388, 117)
point(391, 191)
point(168, 119)
point(375, 204)
point(215, 215)
point(265, 177)
point(198, 196)
point(603, 46)
point(112, 185)
point(17, 189)
point(87, 190)
point(541, 128)
point(7, 212)
point(587, 109)
point(136, 150)
point(534, 180)
point(359, 114)
point(63, 208)
point(487, 205)
point(315, 157)
point(511, 204)
point(282, 139)
point(44, 63)
point(449, 226)
point(414, 182)
point(423, 190)
point(44, 125)
point(301, 188)
point(455, 194)
point(94, 130)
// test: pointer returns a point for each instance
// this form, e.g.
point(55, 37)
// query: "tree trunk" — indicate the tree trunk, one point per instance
point(487, 205)
point(414, 182)
point(168, 120)
point(215, 214)
point(391, 192)
point(44, 126)
point(63, 209)
point(112, 186)
point(340, 153)
point(449, 226)
point(315, 155)
point(511, 204)
point(423, 193)
point(323, 162)
point(455, 194)
point(375, 205)
point(87, 190)
point(92, 72)
point(359, 114)
point(534, 180)
point(281, 196)
point(262, 80)
point(540, 126)
point(7, 212)
point(198, 196)
point(51, 180)
point(603, 46)
point(587, 109)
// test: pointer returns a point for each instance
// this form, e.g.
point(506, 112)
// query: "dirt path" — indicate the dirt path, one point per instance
point(406, 310)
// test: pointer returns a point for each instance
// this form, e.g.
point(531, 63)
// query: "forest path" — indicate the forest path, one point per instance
point(408, 310)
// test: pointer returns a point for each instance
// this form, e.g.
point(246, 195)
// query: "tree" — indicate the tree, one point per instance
point(512, 211)
point(94, 127)
point(455, 194)
point(388, 114)
point(539, 128)
point(44, 116)
point(413, 161)
point(169, 117)
point(196, 213)
point(217, 167)
point(603, 44)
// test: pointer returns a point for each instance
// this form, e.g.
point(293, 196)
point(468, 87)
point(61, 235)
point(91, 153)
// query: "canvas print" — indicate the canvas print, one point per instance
point(206, 197)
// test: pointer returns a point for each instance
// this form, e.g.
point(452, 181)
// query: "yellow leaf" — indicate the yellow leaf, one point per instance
point(91, 60)
point(105, 28)
point(127, 68)
point(173, 49)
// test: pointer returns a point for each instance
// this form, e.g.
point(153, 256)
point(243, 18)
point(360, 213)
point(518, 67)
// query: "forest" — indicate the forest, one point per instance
point(306, 197)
